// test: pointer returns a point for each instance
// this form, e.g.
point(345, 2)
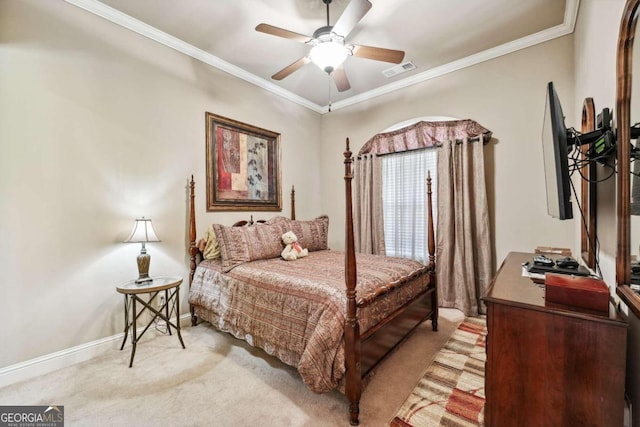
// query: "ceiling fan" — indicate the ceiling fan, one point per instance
point(329, 49)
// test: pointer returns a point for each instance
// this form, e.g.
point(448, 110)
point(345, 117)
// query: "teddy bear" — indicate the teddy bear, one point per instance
point(293, 250)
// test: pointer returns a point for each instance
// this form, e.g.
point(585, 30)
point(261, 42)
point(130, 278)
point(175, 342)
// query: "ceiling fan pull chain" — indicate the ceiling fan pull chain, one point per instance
point(327, 2)
point(329, 80)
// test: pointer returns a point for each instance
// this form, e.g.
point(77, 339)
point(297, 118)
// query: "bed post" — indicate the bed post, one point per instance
point(353, 388)
point(432, 256)
point(193, 248)
point(293, 202)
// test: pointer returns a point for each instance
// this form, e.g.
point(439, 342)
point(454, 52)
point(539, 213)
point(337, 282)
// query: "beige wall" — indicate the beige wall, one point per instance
point(98, 126)
point(596, 39)
point(506, 95)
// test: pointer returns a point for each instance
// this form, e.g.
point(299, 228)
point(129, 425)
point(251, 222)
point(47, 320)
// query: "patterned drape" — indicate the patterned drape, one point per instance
point(368, 226)
point(463, 255)
point(424, 135)
point(464, 261)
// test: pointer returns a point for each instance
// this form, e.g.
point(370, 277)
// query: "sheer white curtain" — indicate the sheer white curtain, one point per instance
point(404, 202)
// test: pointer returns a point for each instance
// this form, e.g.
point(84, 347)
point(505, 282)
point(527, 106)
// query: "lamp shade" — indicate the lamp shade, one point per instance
point(142, 232)
point(328, 55)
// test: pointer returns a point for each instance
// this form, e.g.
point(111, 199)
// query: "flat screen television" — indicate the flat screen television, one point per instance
point(556, 147)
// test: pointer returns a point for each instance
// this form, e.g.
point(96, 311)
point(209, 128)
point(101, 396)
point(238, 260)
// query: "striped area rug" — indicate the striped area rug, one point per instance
point(451, 391)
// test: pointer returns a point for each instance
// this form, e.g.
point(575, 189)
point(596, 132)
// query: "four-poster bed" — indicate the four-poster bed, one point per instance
point(333, 323)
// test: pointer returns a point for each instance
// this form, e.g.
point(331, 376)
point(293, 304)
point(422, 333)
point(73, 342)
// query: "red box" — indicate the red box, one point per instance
point(577, 291)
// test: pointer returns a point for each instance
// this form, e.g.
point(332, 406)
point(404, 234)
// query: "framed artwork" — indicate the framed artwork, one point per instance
point(243, 166)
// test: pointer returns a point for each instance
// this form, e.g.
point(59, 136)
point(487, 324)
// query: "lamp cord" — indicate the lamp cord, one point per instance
point(594, 243)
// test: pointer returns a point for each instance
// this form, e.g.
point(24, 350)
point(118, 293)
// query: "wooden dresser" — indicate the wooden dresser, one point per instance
point(549, 366)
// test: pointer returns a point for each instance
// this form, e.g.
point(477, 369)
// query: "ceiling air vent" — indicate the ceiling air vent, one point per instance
point(399, 69)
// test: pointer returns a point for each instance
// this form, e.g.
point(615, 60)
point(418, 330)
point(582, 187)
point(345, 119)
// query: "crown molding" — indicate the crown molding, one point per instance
point(567, 27)
point(126, 21)
point(137, 26)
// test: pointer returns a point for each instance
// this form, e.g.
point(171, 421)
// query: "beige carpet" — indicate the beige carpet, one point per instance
point(220, 381)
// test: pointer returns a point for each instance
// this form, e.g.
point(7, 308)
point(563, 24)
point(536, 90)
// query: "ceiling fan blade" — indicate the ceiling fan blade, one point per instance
point(378, 54)
point(281, 32)
point(340, 77)
point(291, 68)
point(352, 14)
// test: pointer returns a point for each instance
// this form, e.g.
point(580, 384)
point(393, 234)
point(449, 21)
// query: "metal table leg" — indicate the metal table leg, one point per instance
point(126, 320)
point(134, 339)
point(166, 306)
point(177, 305)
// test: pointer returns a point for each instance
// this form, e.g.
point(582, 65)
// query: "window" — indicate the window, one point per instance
point(404, 199)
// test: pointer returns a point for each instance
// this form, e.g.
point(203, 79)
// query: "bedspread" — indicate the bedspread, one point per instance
point(295, 310)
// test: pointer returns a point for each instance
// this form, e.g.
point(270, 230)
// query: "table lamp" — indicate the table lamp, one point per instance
point(143, 232)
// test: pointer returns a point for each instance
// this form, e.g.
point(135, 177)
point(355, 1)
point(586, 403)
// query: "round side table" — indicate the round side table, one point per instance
point(132, 292)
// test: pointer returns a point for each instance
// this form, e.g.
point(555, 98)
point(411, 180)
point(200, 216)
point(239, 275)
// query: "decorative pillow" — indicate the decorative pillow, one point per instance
point(211, 249)
point(313, 234)
point(242, 244)
point(277, 219)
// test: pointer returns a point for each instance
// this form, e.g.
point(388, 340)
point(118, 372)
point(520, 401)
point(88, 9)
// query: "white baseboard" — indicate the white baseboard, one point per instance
point(61, 359)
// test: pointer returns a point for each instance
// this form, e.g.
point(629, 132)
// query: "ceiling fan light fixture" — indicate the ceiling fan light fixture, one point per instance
point(328, 55)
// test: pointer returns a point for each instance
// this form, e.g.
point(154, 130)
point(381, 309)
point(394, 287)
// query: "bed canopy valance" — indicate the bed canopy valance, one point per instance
point(424, 134)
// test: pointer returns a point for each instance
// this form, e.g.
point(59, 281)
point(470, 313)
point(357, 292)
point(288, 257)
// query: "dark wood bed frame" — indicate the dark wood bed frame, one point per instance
point(364, 351)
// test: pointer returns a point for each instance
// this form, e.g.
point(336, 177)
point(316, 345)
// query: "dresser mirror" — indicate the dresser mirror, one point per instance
point(588, 190)
point(627, 109)
point(634, 186)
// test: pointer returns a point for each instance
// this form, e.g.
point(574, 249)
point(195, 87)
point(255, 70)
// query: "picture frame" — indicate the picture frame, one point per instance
point(243, 166)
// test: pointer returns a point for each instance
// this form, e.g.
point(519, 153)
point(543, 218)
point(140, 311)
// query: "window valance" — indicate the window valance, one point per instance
point(424, 135)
